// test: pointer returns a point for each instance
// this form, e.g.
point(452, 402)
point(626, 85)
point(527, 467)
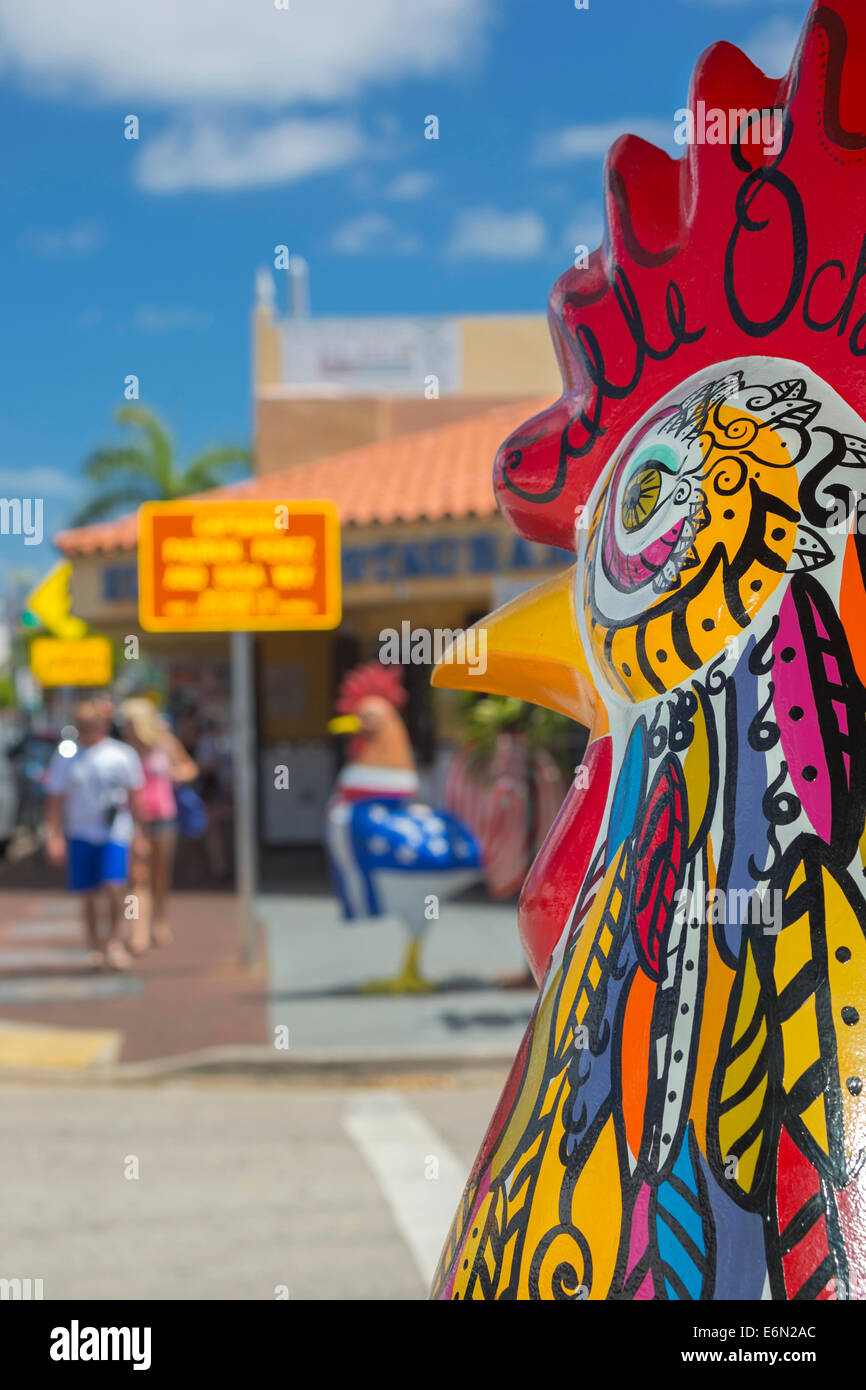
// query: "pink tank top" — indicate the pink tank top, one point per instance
point(157, 794)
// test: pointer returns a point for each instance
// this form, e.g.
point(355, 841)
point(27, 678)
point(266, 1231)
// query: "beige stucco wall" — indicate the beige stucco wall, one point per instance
point(508, 355)
point(266, 357)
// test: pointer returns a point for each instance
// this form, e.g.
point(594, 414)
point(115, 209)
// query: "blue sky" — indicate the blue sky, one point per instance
point(304, 126)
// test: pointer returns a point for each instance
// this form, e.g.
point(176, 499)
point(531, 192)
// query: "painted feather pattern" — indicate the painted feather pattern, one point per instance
point(687, 1118)
point(671, 1237)
point(741, 1137)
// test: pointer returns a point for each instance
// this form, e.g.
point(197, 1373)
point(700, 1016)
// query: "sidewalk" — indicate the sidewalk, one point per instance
point(178, 999)
point(192, 1004)
point(318, 966)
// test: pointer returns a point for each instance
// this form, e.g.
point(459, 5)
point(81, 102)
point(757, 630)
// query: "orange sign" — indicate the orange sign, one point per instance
point(238, 566)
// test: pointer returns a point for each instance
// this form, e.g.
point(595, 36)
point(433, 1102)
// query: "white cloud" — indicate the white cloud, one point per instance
point(41, 482)
point(372, 232)
point(150, 318)
point(772, 46)
point(218, 157)
point(490, 234)
point(586, 227)
point(593, 140)
point(414, 183)
point(58, 243)
point(232, 51)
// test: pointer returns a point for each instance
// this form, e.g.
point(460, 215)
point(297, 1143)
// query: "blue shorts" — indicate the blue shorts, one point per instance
point(89, 866)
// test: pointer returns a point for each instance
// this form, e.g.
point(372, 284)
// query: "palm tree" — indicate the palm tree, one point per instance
point(147, 470)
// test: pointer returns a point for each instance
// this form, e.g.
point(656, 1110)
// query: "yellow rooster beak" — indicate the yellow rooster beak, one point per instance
point(533, 651)
point(344, 724)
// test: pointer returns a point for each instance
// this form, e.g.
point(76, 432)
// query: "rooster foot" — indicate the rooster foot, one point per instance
point(408, 980)
point(400, 984)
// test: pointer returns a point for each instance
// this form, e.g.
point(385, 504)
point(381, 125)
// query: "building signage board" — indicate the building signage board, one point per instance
point(238, 566)
point(365, 357)
point(447, 555)
point(83, 662)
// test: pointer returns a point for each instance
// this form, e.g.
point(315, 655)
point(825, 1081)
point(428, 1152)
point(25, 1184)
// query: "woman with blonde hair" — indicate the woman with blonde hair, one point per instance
point(165, 762)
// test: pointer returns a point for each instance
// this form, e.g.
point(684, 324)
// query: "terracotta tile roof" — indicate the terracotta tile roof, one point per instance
point(429, 475)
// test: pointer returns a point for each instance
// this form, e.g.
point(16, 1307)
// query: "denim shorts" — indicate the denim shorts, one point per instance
point(167, 826)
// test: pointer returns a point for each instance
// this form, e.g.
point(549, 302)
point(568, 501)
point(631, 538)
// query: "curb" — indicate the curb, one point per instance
point(253, 1062)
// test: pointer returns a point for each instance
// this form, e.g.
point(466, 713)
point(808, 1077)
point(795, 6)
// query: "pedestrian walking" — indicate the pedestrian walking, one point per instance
point(165, 764)
point(92, 818)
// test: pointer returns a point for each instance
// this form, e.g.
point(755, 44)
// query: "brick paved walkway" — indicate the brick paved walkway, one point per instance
point(178, 998)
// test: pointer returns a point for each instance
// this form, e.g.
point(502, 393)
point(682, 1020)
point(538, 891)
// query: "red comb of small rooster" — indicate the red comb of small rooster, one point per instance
point(739, 248)
point(371, 679)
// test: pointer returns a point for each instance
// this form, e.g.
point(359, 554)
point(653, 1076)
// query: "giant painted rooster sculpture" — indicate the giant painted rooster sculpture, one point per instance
point(388, 852)
point(686, 1118)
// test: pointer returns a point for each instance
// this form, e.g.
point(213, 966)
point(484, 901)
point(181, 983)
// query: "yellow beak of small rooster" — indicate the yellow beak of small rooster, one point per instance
point(344, 724)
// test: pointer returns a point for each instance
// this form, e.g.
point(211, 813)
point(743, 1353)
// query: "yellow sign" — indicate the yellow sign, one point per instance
point(87, 662)
point(238, 566)
point(50, 603)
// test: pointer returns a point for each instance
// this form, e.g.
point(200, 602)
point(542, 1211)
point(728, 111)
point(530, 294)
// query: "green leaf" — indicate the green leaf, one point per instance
point(207, 470)
point(160, 447)
point(103, 506)
point(104, 463)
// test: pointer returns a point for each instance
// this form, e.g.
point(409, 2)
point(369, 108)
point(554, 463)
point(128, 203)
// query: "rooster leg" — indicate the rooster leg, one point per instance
point(408, 979)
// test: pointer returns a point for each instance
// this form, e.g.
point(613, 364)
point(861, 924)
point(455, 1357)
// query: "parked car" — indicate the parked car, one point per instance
point(30, 757)
point(10, 801)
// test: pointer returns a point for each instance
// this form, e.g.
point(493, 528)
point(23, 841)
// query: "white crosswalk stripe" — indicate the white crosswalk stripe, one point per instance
point(419, 1176)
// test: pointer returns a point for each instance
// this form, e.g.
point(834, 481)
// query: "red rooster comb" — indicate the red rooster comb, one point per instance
point(738, 249)
point(371, 679)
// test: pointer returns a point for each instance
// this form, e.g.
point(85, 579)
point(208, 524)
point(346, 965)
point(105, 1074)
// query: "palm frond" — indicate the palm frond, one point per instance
point(207, 470)
point(105, 463)
point(223, 455)
point(158, 438)
point(101, 507)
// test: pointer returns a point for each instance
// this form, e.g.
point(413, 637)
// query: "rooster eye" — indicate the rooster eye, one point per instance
point(640, 497)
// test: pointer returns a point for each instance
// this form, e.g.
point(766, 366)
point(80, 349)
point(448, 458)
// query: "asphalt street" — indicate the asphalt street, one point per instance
point(221, 1190)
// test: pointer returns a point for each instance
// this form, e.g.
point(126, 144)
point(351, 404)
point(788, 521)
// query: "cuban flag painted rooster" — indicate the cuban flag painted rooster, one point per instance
point(388, 853)
point(686, 1116)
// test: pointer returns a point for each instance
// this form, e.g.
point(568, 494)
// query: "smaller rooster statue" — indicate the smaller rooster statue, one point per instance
point(390, 855)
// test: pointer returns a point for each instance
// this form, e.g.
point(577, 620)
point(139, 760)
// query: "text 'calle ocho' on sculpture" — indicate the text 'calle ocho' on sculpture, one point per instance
point(686, 1118)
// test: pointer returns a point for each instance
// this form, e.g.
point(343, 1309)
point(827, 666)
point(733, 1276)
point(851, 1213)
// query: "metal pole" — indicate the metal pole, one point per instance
point(244, 750)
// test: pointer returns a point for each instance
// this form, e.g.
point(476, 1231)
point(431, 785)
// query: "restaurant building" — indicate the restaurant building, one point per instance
point(397, 421)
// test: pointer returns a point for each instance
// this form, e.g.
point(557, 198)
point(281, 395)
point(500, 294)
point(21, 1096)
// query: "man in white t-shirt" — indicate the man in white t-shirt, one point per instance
point(91, 819)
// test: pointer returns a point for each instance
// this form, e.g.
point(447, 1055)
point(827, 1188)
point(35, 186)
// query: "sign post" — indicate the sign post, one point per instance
point(240, 567)
point(246, 808)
